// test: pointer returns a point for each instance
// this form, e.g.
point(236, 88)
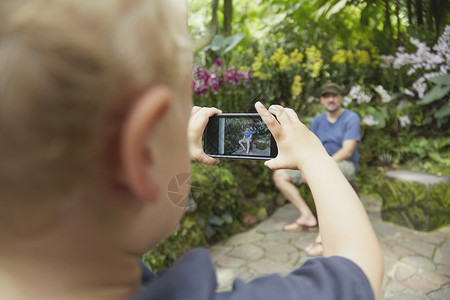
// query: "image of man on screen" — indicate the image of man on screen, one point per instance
point(247, 139)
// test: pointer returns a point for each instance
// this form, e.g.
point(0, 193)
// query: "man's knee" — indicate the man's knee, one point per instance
point(348, 169)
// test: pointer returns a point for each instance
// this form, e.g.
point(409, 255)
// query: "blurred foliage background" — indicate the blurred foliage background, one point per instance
point(391, 56)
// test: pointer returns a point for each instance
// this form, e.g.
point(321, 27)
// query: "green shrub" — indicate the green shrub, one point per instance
point(218, 212)
point(415, 205)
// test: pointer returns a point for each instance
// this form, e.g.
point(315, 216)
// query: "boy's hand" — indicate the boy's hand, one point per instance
point(296, 144)
point(197, 124)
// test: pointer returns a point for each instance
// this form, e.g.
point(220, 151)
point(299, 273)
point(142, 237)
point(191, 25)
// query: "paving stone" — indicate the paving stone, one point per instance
point(394, 287)
point(418, 262)
point(389, 265)
point(442, 294)
point(445, 230)
point(443, 270)
point(406, 296)
point(407, 235)
point(433, 237)
point(402, 271)
point(244, 238)
point(421, 285)
point(269, 225)
point(294, 259)
point(230, 262)
point(434, 277)
point(225, 277)
point(287, 213)
point(402, 251)
point(442, 256)
point(282, 237)
point(304, 239)
point(266, 266)
point(217, 251)
point(446, 245)
point(390, 242)
point(279, 252)
point(383, 229)
point(410, 273)
point(421, 248)
point(371, 204)
point(247, 252)
point(388, 253)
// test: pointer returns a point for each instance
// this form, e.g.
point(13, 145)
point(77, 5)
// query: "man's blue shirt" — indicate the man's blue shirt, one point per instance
point(332, 135)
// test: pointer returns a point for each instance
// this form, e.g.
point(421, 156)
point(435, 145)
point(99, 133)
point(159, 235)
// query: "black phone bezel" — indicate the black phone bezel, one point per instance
point(211, 139)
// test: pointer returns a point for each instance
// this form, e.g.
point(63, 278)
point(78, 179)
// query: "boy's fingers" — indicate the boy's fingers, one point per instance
point(292, 115)
point(195, 110)
point(208, 160)
point(273, 164)
point(280, 113)
point(268, 118)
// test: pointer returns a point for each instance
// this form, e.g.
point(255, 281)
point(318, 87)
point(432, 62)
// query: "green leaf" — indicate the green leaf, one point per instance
point(441, 79)
point(217, 43)
point(435, 156)
point(232, 41)
point(443, 112)
point(215, 220)
point(336, 8)
point(227, 218)
point(436, 93)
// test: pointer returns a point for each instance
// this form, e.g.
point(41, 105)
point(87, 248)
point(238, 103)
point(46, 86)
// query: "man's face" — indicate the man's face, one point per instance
point(331, 101)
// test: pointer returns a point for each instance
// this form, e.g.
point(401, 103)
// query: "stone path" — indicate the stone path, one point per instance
point(417, 264)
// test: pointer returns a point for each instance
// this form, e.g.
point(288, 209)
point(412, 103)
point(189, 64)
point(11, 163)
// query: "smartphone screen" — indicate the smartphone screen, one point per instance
point(242, 136)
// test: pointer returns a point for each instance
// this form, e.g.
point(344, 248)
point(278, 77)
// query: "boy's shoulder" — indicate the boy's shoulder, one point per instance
point(193, 277)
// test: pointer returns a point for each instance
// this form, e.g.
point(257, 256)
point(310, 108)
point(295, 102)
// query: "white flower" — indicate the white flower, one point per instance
point(420, 86)
point(370, 121)
point(408, 92)
point(357, 93)
point(404, 120)
point(347, 100)
point(385, 97)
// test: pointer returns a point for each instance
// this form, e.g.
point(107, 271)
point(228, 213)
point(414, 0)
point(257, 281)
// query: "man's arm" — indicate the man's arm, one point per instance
point(344, 225)
point(346, 151)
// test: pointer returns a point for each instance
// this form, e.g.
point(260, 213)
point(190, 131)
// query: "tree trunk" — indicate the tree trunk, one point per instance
point(397, 14)
point(212, 29)
point(387, 17)
point(227, 16)
point(419, 12)
point(439, 12)
point(408, 7)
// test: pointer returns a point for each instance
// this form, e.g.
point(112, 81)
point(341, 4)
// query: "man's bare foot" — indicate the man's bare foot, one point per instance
point(302, 224)
point(307, 220)
point(315, 248)
point(295, 227)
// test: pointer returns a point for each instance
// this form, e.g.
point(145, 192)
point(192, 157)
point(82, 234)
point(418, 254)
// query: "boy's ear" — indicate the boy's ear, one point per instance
point(142, 118)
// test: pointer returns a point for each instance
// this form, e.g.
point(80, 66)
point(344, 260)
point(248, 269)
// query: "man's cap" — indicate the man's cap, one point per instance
point(330, 88)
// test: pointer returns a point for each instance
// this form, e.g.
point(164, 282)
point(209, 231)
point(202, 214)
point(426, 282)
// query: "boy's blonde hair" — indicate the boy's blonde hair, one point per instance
point(68, 71)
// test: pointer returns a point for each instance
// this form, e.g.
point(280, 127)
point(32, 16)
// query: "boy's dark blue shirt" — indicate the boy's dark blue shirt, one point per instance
point(192, 277)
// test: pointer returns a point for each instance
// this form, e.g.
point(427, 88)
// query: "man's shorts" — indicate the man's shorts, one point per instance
point(346, 166)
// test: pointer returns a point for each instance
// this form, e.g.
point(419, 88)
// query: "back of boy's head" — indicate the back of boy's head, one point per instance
point(69, 70)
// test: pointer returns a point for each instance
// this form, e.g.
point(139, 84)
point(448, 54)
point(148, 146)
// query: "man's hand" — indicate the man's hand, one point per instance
point(197, 124)
point(348, 146)
point(296, 144)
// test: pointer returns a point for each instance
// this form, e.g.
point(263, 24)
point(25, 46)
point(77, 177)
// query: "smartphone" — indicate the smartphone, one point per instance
point(240, 136)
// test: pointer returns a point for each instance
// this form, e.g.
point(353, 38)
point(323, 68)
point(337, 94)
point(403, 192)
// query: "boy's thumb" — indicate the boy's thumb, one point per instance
point(273, 164)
